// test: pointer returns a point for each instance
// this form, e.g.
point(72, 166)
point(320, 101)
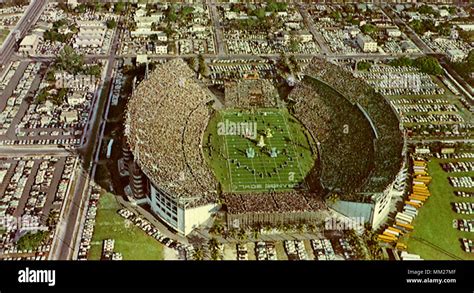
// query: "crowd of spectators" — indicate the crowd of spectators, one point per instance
point(166, 117)
point(251, 93)
point(343, 132)
point(389, 140)
point(272, 202)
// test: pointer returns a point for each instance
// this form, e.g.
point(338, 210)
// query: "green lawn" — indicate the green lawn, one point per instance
point(226, 147)
point(3, 35)
point(131, 241)
point(434, 237)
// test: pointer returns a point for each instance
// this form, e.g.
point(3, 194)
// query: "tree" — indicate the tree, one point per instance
point(198, 253)
point(444, 28)
point(470, 59)
point(402, 61)
point(465, 68)
point(53, 218)
point(192, 62)
point(283, 64)
point(362, 65)
point(426, 9)
point(50, 76)
point(69, 60)
point(98, 6)
point(349, 8)
point(203, 69)
point(186, 10)
point(111, 24)
point(42, 96)
point(241, 234)
point(59, 23)
point(171, 15)
point(429, 65)
point(31, 241)
point(371, 239)
point(20, 2)
point(94, 70)
point(300, 227)
point(81, 8)
point(217, 228)
point(336, 15)
point(294, 64)
point(214, 249)
point(259, 13)
point(417, 26)
point(58, 99)
point(213, 243)
point(294, 43)
point(119, 7)
point(368, 28)
point(272, 6)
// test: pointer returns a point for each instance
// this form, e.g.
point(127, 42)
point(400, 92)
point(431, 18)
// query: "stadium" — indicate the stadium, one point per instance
point(259, 158)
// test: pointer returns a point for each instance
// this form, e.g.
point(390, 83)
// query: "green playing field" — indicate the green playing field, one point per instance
point(233, 144)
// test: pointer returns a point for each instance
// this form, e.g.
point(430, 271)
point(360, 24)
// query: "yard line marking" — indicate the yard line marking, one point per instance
point(294, 150)
point(228, 157)
point(274, 161)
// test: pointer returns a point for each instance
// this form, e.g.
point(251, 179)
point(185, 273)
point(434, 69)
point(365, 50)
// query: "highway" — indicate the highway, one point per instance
point(360, 56)
point(390, 13)
point(68, 234)
point(218, 32)
point(32, 150)
point(310, 25)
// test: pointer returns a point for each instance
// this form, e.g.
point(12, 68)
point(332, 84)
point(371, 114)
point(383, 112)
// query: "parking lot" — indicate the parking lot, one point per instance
point(33, 188)
point(28, 119)
point(322, 248)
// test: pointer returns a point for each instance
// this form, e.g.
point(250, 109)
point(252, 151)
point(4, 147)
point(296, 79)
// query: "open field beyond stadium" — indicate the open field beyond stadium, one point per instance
point(434, 237)
point(130, 240)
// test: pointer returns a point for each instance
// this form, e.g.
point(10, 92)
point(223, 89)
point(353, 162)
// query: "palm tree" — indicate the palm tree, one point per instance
point(198, 253)
point(214, 249)
point(242, 235)
point(232, 232)
point(300, 228)
point(203, 69)
point(52, 219)
point(192, 63)
point(216, 255)
point(213, 244)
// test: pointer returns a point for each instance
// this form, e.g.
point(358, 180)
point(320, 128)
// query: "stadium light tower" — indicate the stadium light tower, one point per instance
point(146, 69)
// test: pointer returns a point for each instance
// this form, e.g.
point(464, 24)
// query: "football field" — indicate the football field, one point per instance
point(263, 150)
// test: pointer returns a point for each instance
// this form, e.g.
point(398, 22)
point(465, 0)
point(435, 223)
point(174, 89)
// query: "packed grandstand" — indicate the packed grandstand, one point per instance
point(166, 118)
point(251, 93)
point(382, 157)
